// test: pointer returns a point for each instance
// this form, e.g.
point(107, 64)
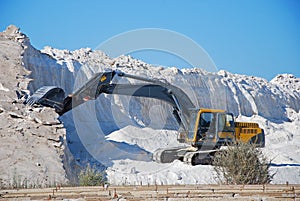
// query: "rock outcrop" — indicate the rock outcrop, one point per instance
point(32, 145)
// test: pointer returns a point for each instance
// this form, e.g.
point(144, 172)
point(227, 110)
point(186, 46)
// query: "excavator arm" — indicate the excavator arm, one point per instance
point(103, 83)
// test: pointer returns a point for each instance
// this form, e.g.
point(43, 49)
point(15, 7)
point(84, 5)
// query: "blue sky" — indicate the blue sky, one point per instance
point(257, 37)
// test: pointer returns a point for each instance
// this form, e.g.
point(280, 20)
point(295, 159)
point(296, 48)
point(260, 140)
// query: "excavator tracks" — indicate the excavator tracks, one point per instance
point(185, 154)
point(199, 157)
point(168, 155)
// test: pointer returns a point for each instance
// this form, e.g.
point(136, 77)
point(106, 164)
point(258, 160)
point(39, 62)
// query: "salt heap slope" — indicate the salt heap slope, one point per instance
point(120, 133)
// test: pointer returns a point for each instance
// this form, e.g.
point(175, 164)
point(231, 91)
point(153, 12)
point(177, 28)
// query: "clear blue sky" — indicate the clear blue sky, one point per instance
point(255, 37)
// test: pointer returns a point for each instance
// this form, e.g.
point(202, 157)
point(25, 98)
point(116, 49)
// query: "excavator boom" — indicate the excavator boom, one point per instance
point(103, 83)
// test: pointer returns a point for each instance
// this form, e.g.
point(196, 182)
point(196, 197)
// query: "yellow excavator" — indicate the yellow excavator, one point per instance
point(203, 131)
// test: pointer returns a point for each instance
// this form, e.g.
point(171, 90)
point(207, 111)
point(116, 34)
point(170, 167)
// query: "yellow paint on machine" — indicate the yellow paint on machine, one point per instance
point(244, 131)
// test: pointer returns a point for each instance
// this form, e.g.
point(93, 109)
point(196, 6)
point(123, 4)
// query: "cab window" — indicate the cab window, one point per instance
point(206, 119)
point(192, 122)
point(225, 122)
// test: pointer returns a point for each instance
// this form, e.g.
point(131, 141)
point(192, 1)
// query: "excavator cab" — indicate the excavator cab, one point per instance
point(212, 127)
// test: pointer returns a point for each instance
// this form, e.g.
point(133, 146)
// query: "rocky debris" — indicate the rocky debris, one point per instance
point(13, 33)
point(15, 115)
point(32, 145)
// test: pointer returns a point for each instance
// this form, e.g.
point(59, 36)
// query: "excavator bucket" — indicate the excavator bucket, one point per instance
point(53, 96)
point(50, 96)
